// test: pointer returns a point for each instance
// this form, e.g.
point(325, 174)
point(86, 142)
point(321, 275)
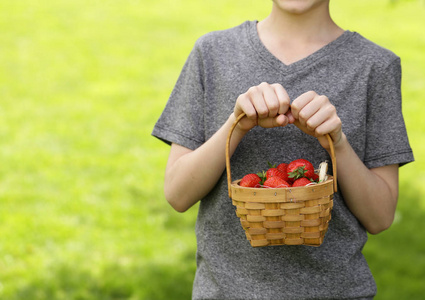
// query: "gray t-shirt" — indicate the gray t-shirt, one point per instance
point(362, 80)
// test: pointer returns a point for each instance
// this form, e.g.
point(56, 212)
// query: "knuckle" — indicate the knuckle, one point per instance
point(262, 113)
point(274, 105)
point(294, 108)
point(323, 97)
point(240, 97)
point(311, 94)
point(338, 122)
point(284, 103)
point(278, 87)
point(331, 109)
point(252, 90)
point(319, 132)
point(251, 115)
point(242, 100)
point(302, 115)
point(309, 124)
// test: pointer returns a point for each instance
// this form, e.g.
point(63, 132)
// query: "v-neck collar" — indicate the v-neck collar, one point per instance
point(276, 63)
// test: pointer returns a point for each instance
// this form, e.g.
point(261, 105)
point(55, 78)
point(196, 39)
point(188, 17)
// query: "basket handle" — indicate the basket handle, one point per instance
point(229, 175)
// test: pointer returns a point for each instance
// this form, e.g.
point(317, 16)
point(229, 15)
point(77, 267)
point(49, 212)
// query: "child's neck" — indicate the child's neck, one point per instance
point(291, 37)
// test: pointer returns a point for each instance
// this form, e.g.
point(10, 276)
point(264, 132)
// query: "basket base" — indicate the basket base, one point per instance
point(271, 241)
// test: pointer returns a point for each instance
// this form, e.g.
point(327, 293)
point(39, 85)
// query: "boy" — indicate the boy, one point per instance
point(300, 76)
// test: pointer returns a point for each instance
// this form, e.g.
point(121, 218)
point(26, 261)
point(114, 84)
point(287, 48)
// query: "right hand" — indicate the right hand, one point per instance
point(265, 105)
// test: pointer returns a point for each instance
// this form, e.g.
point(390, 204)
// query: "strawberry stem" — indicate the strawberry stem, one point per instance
point(262, 176)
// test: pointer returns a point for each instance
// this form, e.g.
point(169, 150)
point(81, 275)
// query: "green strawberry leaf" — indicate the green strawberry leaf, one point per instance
point(271, 165)
point(262, 176)
point(298, 173)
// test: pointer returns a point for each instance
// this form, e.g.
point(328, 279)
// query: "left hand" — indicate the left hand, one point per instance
point(316, 116)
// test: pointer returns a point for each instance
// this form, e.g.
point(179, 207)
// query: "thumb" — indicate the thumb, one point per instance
point(278, 121)
point(290, 116)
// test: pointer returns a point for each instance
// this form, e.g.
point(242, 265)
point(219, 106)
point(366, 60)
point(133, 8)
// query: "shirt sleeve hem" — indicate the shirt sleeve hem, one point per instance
point(400, 158)
point(169, 136)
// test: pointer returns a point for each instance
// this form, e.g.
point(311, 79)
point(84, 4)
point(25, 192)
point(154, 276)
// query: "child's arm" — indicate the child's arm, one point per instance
point(370, 194)
point(190, 175)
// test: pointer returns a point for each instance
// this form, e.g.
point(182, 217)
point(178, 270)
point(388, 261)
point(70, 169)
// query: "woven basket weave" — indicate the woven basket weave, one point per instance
point(283, 216)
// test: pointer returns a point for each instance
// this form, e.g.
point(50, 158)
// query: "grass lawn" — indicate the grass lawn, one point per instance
point(82, 215)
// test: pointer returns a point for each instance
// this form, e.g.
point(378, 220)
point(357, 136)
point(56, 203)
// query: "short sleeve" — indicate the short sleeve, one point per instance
point(181, 121)
point(386, 137)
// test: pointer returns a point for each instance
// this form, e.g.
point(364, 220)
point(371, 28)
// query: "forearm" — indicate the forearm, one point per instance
point(192, 175)
point(371, 195)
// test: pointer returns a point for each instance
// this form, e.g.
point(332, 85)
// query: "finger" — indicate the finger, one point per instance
point(282, 97)
point(299, 103)
point(244, 105)
point(319, 114)
point(332, 127)
point(316, 112)
point(278, 121)
point(327, 123)
point(271, 99)
point(282, 120)
point(290, 117)
point(256, 97)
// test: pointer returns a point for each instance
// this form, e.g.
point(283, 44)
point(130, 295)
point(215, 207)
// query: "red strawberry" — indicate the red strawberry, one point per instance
point(301, 182)
point(272, 172)
point(250, 180)
point(315, 177)
point(300, 168)
point(275, 182)
point(284, 168)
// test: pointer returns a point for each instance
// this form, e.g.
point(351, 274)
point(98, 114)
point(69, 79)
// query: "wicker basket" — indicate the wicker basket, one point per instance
point(283, 216)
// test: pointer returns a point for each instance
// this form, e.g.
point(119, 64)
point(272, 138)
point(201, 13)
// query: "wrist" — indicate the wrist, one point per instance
point(342, 143)
point(239, 131)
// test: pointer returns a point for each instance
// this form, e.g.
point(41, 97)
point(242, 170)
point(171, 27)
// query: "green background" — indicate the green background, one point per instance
point(82, 213)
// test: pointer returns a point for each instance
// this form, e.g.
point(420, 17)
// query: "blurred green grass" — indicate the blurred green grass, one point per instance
point(82, 215)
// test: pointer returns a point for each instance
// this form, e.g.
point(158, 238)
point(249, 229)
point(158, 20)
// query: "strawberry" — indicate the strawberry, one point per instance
point(250, 180)
point(275, 182)
point(315, 177)
point(300, 168)
point(284, 168)
point(272, 172)
point(301, 182)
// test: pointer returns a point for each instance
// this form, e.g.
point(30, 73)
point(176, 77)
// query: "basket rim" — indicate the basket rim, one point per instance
point(278, 195)
point(235, 184)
